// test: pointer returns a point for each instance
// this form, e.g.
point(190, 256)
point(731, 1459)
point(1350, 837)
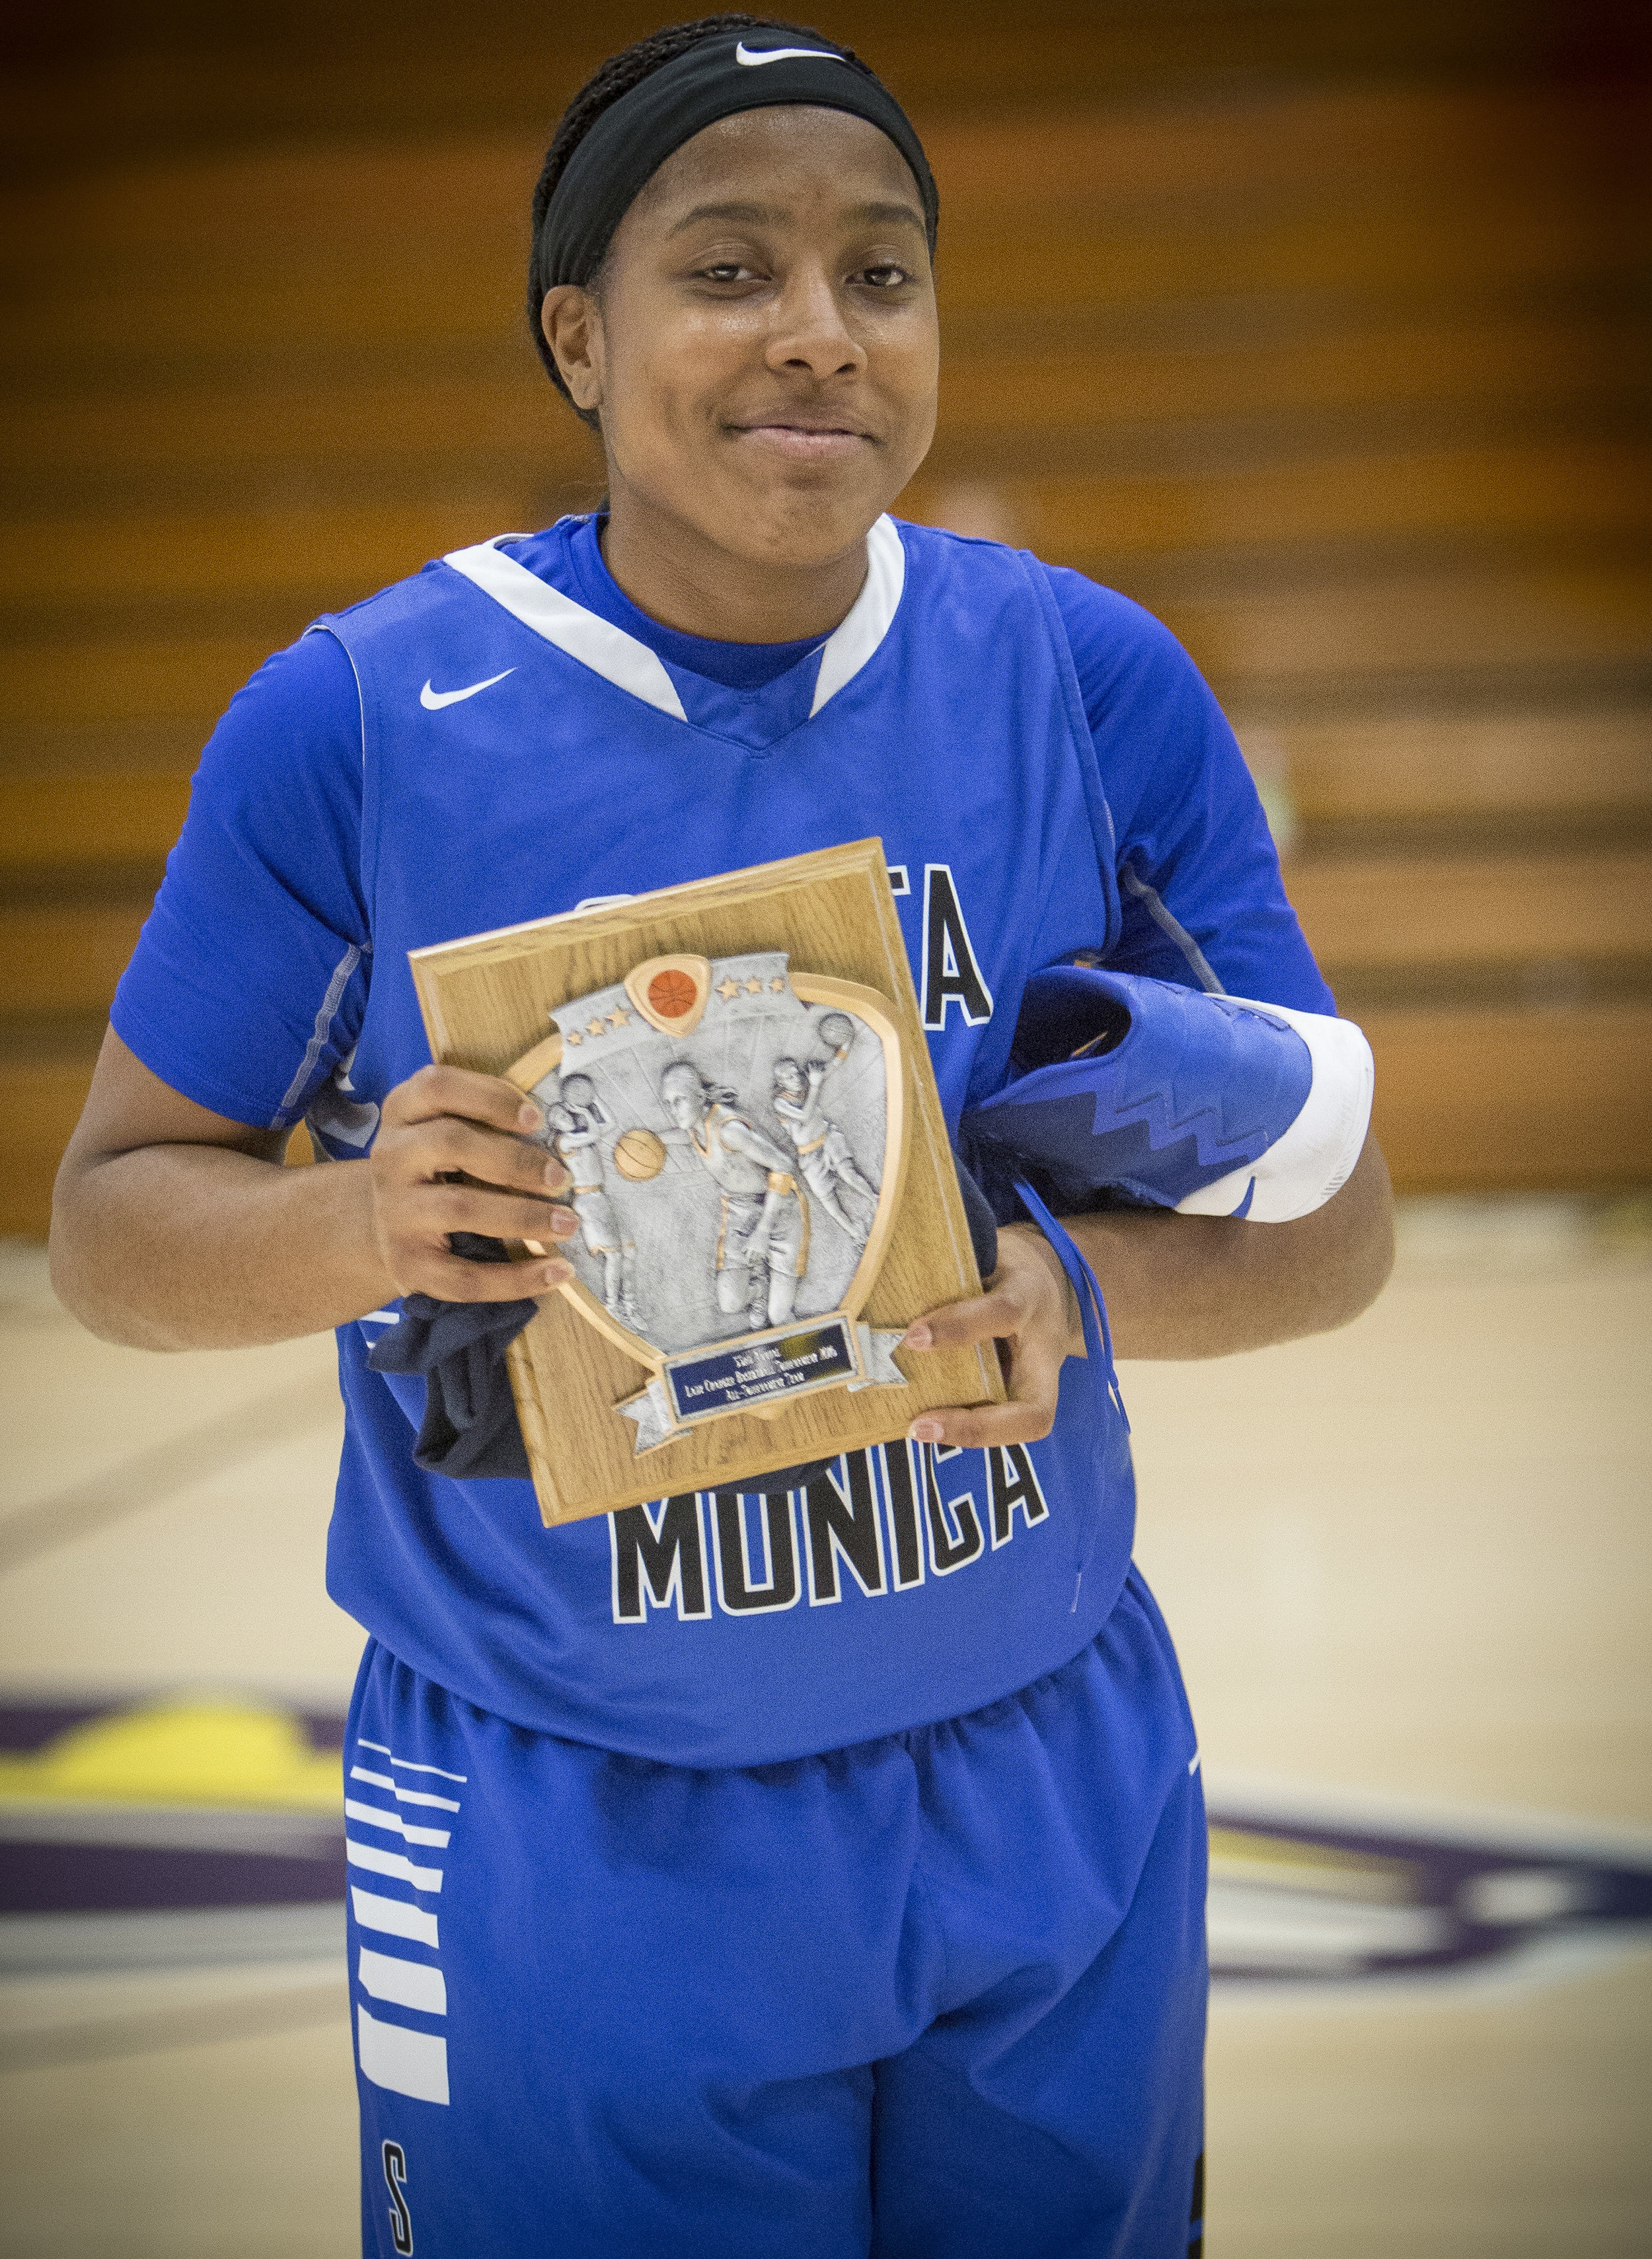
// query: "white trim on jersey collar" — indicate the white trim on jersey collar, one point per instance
point(620, 659)
point(607, 651)
point(849, 646)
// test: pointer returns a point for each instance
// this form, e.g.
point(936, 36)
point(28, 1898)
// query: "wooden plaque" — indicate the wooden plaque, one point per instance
point(736, 1073)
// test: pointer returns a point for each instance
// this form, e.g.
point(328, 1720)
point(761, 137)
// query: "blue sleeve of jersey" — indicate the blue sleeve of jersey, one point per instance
point(1199, 879)
point(249, 980)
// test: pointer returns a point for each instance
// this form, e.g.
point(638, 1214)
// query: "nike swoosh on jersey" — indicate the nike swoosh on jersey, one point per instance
point(433, 701)
point(743, 54)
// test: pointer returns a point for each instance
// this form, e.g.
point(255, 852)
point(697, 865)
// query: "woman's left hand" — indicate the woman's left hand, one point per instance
point(1030, 1310)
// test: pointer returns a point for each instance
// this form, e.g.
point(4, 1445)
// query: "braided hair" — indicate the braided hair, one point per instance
point(614, 77)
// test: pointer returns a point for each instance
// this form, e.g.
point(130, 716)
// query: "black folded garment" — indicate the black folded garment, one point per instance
point(470, 1430)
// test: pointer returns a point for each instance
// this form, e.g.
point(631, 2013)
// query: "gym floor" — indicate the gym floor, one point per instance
point(1406, 1566)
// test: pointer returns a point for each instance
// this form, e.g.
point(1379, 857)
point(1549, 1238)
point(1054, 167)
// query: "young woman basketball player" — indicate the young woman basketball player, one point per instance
point(816, 1875)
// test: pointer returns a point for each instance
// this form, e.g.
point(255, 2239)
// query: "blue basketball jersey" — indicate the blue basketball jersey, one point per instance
point(526, 742)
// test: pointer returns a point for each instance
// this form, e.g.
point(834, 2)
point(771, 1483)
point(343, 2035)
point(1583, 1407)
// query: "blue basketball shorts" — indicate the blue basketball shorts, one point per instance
point(941, 1993)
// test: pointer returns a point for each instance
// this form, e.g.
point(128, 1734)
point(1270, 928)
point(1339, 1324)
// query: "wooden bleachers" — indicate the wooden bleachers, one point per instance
point(1338, 365)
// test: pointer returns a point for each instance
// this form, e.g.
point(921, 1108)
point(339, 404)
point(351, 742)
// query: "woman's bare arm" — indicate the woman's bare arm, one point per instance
point(177, 1228)
point(1206, 1285)
point(1175, 1285)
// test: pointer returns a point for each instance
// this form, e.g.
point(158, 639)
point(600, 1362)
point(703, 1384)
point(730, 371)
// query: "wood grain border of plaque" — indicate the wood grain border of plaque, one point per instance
point(735, 1072)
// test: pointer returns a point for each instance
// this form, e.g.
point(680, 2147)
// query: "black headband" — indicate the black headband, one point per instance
point(631, 139)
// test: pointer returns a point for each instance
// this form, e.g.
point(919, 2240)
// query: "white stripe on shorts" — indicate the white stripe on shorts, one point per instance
point(404, 2062)
point(392, 1863)
point(413, 1984)
point(394, 1916)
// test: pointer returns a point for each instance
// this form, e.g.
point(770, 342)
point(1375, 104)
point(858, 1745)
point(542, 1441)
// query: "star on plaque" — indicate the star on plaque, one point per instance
point(594, 1028)
point(728, 990)
point(619, 1017)
point(754, 986)
point(778, 985)
point(573, 1036)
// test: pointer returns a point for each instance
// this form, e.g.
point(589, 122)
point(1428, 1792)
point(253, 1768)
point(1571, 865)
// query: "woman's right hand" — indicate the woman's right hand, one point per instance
point(444, 1120)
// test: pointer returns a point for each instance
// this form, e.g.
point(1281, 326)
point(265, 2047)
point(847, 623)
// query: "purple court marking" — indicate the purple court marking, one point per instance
point(1337, 1889)
point(83, 1877)
point(60, 1858)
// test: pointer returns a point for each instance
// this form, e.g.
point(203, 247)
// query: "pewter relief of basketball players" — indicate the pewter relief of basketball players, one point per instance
point(575, 1125)
point(825, 1159)
point(763, 1225)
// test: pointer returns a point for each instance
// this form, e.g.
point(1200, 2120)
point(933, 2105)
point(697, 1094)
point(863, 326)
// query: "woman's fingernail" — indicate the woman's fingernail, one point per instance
point(926, 1431)
point(554, 1175)
point(529, 1117)
point(555, 1273)
point(917, 1336)
point(563, 1224)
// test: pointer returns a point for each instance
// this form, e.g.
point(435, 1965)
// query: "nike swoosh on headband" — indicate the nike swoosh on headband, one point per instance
point(743, 54)
point(433, 701)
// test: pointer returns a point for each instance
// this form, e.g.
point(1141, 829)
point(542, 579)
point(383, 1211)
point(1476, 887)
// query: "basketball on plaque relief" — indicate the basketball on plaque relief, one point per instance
point(671, 994)
point(836, 1029)
point(639, 1156)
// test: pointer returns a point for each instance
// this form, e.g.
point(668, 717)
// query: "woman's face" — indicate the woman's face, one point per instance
point(763, 347)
